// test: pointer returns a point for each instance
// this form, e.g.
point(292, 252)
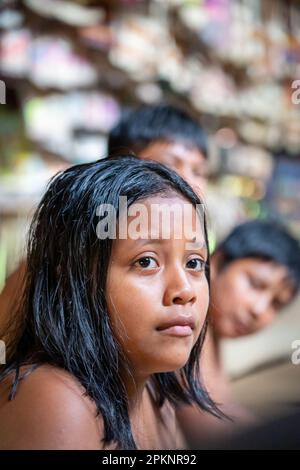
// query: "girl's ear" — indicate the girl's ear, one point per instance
point(216, 263)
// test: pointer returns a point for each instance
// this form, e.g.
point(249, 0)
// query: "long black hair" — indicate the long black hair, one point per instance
point(63, 320)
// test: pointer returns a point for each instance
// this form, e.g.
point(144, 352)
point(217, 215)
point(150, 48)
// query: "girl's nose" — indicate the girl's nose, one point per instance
point(179, 289)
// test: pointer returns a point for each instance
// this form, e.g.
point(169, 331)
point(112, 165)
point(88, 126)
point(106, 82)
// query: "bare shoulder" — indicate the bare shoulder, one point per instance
point(49, 411)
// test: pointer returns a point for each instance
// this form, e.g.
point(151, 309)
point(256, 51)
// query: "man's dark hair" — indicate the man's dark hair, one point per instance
point(146, 124)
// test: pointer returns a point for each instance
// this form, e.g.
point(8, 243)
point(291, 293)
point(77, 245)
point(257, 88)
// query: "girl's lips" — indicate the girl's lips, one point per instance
point(177, 330)
point(181, 325)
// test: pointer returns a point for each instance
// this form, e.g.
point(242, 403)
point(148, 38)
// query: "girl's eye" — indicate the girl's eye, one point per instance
point(146, 263)
point(196, 264)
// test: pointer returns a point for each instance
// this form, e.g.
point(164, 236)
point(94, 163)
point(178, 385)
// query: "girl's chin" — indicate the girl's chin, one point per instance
point(171, 365)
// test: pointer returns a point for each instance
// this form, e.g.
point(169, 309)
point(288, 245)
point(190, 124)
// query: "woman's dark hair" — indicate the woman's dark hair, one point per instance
point(140, 127)
point(265, 240)
point(64, 320)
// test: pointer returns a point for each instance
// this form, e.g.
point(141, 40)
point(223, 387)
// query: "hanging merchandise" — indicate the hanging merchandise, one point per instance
point(48, 61)
point(67, 12)
point(141, 46)
point(54, 64)
point(92, 112)
point(14, 52)
point(11, 19)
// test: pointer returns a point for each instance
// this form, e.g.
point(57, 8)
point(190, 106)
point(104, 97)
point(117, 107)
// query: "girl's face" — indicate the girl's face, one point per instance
point(247, 294)
point(157, 292)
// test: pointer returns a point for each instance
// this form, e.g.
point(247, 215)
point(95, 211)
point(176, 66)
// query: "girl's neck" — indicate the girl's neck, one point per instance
point(137, 407)
point(135, 386)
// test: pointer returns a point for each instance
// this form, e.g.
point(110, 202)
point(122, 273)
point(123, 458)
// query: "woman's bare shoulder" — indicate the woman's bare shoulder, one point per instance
point(49, 411)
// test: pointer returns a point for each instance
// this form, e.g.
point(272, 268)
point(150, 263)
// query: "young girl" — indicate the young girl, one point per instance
point(107, 339)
